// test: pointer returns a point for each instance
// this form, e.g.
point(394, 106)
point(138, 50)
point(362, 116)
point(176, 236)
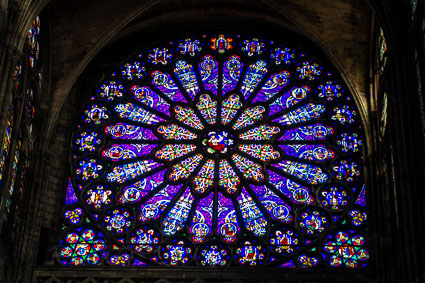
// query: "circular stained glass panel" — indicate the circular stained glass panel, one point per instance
point(222, 145)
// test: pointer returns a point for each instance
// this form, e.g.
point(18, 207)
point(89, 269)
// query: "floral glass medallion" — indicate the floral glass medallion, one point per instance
point(218, 150)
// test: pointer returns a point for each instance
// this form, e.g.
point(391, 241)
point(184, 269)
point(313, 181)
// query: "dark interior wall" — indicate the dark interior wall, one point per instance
point(80, 32)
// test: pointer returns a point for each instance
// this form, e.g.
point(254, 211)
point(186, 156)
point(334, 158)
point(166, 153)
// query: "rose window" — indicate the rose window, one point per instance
point(215, 151)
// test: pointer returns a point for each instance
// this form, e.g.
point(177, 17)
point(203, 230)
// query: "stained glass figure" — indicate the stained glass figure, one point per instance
point(330, 91)
point(223, 156)
point(144, 240)
point(349, 142)
point(204, 179)
point(166, 85)
point(133, 71)
point(33, 35)
point(111, 90)
point(289, 99)
point(148, 97)
point(201, 225)
point(221, 44)
point(177, 217)
point(253, 77)
point(282, 55)
point(305, 113)
point(88, 141)
point(285, 241)
point(253, 46)
point(214, 255)
point(227, 221)
point(309, 70)
point(186, 75)
point(189, 46)
point(334, 197)
point(129, 132)
point(208, 69)
point(344, 115)
point(135, 113)
point(345, 170)
point(6, 142)
point(160, 56)
point(118, 152)
point(250, 254)
point(316, 152)
point(96, 114)
point(231, 73)
point(138, 190)
point(82, 246)
point(313, 222)
point(347, 249)
point(272, 86)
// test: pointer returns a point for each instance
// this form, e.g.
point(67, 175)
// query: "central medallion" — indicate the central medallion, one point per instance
point(218, 142)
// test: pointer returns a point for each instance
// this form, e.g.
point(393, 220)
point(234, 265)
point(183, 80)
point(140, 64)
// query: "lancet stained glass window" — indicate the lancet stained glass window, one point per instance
point(217, 150)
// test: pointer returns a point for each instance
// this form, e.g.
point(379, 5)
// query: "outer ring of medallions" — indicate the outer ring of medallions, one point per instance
point(214, 128)
point(323, 211)
point(341, 186)
point(297, 234)
point(83, 226)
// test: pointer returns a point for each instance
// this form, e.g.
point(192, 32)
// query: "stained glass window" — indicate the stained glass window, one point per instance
point(6, 144)
point(215, 151)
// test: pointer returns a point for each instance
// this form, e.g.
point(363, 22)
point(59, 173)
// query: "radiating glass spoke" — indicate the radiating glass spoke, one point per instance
point(227, 177)
point(309, 173)
point(277, 208)
point(249, 169)
point(316, 152)
point(263, 152)
point(208, 69)
point(274, 84)
point(172, 151)
point(201, 225)
point(253, 218)
point(230, 107)
point(305, 113)
point(289, 98)
point(183, 169)
point(308, 133)
point(231, 73)
point(208, 108)
point(126, 172)
point(177, 217)
point(187, 116)
point(153, 208)
point(127, 151)
point(135, 113)
point(174, 132)
point(293, 190)
point(148, 97)
point(249, 117)
point(227, 221)
point(260, 133)
point(165, 83)
point(129, 132)
point(186, 75)
point(205, 177)
point(253, 77)
point(138, 190)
